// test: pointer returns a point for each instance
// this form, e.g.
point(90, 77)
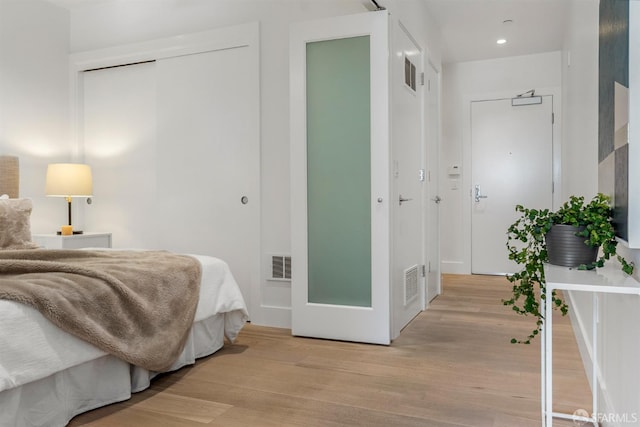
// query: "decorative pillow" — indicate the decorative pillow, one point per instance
point(15, 224)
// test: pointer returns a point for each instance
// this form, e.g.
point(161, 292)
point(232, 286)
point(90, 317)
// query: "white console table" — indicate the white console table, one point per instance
point(609, 279)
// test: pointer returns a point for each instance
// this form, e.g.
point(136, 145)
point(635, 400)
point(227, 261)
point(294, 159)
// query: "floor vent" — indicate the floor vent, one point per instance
point(281, 267)
point(410, 284)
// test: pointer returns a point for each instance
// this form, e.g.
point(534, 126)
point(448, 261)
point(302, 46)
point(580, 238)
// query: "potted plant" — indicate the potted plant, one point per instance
point(528, 244)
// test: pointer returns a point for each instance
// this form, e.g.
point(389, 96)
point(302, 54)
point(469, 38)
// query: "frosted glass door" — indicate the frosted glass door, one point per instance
point(339, 171)
point(340, 178)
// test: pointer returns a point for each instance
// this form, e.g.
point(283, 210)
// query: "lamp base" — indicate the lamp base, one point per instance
point(59, 233)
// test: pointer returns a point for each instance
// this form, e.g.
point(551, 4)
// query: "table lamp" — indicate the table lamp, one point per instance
point(69, 180)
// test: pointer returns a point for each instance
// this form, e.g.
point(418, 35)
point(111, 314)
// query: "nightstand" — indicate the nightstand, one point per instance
point(76, 241)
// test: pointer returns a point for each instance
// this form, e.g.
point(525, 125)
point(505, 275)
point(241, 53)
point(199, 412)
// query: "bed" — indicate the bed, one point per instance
point(49, 375)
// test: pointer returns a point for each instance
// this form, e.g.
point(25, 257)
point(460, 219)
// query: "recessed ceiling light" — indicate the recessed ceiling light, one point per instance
point(501, 41)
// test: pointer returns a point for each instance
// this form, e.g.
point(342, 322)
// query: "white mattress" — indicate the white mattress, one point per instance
point(32, 348)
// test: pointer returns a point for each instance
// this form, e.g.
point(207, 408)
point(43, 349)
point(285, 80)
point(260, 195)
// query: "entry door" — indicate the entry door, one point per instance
point(512, 163)
point(408, 179)
point(340, 178)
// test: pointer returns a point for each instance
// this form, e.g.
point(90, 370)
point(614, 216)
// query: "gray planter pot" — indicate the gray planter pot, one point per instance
point(566, 249)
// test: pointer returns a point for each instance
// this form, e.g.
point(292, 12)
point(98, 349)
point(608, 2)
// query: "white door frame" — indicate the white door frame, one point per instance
point(246, 36)
point(368, 324)
point(466, 158)
point(432, 164)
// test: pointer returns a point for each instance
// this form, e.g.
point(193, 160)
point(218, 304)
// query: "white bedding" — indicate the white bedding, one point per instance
point(32, 348)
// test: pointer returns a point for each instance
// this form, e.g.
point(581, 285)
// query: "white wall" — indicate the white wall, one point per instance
point(580, 95)
point(414, 16)
point(105, 24)
point(477, 80)
point(34, 99)
point(620, 342)
point(580, 132)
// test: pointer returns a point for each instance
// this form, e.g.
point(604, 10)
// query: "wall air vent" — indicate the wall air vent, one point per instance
point(280, 267)
point(410, 284)
point(409, 74)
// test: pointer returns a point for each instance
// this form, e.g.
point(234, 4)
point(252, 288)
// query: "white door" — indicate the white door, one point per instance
point(119, 111)
point(512, 164)
point(208, 159)
point(408, 179)
point(340, 178)
point(174, 148)
point(432, 241)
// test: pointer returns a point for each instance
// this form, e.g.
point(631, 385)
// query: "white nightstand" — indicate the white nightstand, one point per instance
point(76, 241)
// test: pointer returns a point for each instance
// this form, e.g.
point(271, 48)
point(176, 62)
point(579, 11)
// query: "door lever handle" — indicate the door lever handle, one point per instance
point(401, 199)
point(478, 195)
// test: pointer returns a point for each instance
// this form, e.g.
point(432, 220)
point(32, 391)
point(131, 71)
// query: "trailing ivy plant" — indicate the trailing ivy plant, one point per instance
point(526, 246)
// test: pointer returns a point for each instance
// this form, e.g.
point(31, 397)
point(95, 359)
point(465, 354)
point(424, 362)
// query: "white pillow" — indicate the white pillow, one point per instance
point(15, 224)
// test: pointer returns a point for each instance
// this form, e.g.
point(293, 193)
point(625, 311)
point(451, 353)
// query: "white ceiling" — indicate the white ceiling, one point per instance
point(470, 28)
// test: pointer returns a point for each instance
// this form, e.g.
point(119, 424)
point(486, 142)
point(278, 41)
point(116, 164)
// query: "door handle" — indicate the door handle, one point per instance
point(437, 199)
point(401, 199)
point(479, 195)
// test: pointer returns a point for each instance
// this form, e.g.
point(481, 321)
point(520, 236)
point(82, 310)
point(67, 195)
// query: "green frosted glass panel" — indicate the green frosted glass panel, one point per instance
point(339, 172)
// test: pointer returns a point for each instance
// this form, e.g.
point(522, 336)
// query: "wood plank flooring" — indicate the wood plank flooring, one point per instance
point(452, 366)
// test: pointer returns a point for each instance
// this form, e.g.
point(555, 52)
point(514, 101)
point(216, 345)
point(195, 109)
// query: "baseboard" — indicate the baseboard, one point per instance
point(454, 267)
point(276, 317)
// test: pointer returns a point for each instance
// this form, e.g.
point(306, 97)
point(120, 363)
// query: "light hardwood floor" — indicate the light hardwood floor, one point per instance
point(452, 366)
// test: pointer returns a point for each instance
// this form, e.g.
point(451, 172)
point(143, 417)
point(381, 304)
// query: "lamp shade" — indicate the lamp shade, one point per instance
point(9, 176)
point(69, 180)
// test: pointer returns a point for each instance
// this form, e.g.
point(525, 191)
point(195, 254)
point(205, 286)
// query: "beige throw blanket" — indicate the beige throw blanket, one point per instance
point(138, 306)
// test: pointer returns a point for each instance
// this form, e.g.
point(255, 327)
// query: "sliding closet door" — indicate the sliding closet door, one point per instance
point(120, 145)
point(208, 158)
point(340, 178)
point(174, 146)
